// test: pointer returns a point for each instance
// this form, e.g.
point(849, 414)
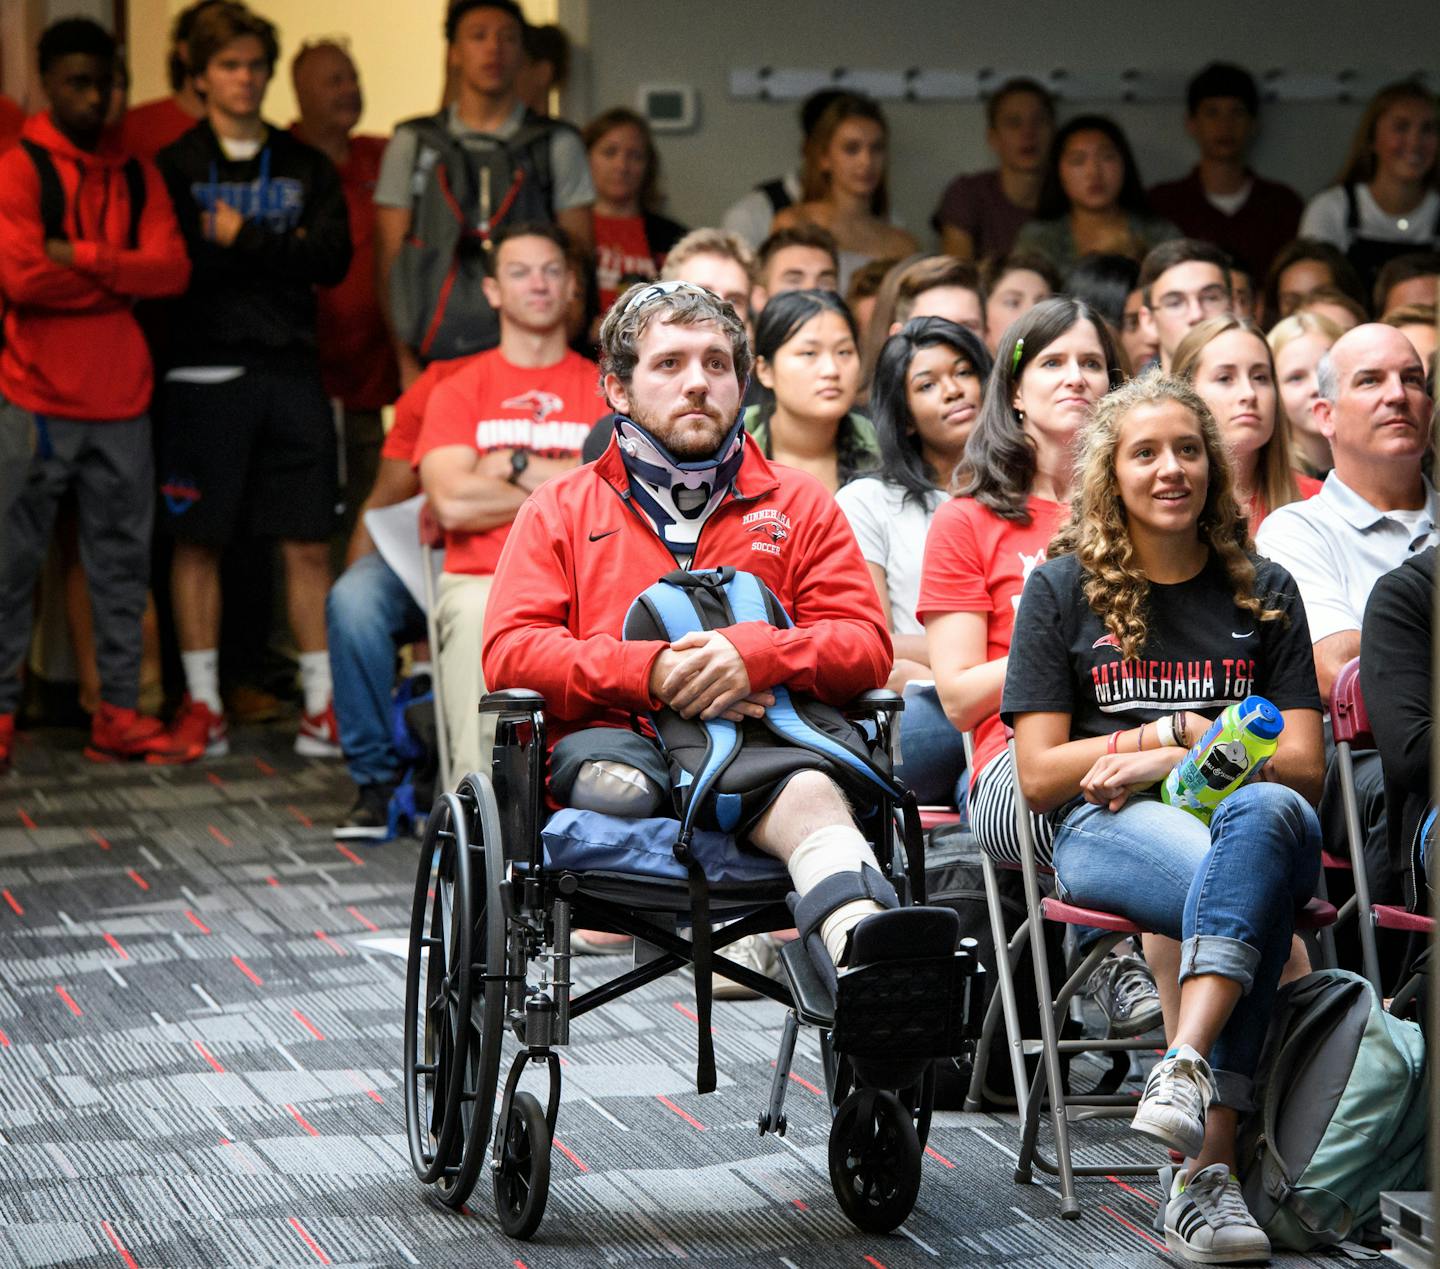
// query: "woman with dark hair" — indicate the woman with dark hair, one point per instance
point(924, 401)
point(845, 189)
point(1092, 199)
point(807, 360)
point(632, 239)
point(1110, 284)
point(1386, 200)
point(1151, 584)
point(1303, 266)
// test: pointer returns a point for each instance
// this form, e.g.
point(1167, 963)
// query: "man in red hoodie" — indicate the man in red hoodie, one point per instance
point(84, 232)
point(681, 487)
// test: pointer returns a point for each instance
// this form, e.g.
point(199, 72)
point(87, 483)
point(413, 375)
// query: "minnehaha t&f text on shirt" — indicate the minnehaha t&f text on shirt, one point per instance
point(492, 404)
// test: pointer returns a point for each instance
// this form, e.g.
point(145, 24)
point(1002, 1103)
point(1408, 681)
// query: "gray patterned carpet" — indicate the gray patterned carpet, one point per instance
point(199, 1066)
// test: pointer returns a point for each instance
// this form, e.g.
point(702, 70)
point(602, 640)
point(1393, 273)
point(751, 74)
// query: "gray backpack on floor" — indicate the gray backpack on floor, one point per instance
point(1341, 1113)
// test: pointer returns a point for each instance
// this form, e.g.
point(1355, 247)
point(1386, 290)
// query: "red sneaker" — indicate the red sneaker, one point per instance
point(7, 740)
point(319, 735)
point(199, 730)
point(118, 734)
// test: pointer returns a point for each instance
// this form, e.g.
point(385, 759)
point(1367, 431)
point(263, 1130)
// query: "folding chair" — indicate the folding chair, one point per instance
point(1350, 725)
point(432, 539)
point(1316, 915)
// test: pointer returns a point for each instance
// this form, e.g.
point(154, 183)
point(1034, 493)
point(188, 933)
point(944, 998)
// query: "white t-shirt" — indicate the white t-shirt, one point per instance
point(891, 531)
point(1326, 214)
point(1337, 546)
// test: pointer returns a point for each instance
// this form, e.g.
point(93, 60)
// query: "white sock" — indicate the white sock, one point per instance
point(315, 681)
point(835, 848)
point(202, 677)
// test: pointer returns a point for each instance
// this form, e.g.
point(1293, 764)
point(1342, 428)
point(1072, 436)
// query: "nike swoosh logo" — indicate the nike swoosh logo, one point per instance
point(595, 537)
point(1246, 635)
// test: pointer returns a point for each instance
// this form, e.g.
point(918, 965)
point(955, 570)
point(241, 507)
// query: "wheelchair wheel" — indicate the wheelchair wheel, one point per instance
point(522, 1179)
point(874, 1160)
point(481, 914)
point(437, 993)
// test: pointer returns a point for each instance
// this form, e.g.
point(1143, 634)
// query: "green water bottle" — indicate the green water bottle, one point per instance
point(1234, 747)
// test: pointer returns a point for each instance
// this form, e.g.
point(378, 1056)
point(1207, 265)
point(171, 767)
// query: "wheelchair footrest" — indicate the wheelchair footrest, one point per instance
point(921, 1007)
point(814, 1005)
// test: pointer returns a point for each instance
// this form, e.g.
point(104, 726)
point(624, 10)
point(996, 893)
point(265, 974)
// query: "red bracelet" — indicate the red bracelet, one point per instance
point(1112, 741)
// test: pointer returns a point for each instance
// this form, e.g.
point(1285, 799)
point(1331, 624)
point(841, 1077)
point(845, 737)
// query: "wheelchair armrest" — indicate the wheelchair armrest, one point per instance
point(879, 701)
point(512, 700)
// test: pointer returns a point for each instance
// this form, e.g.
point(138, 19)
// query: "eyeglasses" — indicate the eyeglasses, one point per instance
point(1213, 300)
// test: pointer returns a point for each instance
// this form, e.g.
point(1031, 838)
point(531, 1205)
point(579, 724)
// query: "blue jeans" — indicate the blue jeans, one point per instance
point(1228, 893)
point(932, 755)
point(368, 615)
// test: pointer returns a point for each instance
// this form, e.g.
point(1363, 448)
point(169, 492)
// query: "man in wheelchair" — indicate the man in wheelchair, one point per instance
point(679, 495)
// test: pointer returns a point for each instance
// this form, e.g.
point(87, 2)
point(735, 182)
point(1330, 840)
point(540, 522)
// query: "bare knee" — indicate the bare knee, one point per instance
point(1299, 963)
point(810, 800)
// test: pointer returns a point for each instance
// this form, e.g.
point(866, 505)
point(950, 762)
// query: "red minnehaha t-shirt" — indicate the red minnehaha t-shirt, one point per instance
point(491, 404)
point(621, 250)
point(147, 129)
point(976, 561)
point(357, 361)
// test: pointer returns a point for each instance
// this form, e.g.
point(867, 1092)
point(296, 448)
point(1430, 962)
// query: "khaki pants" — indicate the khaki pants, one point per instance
point(460, 618)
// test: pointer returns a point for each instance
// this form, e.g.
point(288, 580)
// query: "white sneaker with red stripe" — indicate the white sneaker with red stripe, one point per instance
point(319, 735)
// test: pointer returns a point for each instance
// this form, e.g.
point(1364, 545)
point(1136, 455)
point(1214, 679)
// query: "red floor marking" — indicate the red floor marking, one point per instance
point(350, 854)
point(69, 1001)
point(870, 1260)
point(225, 1141)
point(264, 768)
point(214, 1064)
point(309, 1242)
point(689, 1119)
point(568, 1153)
point(678, 1007)
point(215, 779)
point(520, 1264)
point(97, 839)
point(137, 879)
point(935, 1154)
point(24, 819)
point(799, 1205)
point(1134, 1229)
point(4, 1040)
point(364, 920)
point(805, 1084)
point(365, 1088)
point(13, 902)
point(305, 820)
point(340, 948)
point(120, 951)
point(1130, 1189)
point(219, 836)
point(247, 971)
point(301, 1120)
point(307, 1024)
point(270, 881)
point(118, 1245)
point(196, 922)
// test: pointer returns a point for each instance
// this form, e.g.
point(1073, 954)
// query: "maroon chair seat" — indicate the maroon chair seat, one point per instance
point(1390, 917)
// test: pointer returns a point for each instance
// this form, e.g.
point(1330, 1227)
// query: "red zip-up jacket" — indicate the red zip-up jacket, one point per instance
point(578, 554)
point(72, 346)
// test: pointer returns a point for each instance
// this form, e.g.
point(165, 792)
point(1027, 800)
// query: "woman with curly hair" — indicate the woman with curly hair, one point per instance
point(1152, 613)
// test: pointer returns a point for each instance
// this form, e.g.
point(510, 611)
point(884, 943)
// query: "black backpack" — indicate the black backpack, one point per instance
point(459, 197)
point(52, 194)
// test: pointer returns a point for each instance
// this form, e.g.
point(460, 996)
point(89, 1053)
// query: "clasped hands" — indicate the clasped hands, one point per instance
point(703, 676)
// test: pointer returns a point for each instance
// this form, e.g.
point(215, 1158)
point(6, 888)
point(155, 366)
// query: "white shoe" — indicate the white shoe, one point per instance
point(755, 951)
point(1206, 1221)
point(1172, 1108)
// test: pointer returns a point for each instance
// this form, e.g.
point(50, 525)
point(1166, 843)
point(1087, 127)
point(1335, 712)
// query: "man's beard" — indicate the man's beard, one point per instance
point(681, 439)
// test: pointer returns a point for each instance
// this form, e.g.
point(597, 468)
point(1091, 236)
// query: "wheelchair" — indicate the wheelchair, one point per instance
point(489, 954)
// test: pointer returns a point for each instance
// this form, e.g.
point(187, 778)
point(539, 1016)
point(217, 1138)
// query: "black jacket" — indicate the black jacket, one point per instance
point(253, 302)
point(1395, 680)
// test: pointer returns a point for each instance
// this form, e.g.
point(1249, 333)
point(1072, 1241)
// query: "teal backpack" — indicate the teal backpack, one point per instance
point(1341, 1113)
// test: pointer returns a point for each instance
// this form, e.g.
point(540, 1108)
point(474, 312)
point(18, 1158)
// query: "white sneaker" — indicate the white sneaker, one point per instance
point(1206, 1221)
point(755, 951)
point(1172, 1109)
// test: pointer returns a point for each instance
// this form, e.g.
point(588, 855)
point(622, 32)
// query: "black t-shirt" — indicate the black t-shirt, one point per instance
point(1201, 653)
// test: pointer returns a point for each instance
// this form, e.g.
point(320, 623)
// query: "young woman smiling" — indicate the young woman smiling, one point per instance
point(1297, 343)
point(1229, 364)
point(1152, 585)
point(924, 403)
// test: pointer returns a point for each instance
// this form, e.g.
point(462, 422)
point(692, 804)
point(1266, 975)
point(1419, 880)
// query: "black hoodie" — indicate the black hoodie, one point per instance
point(253, 303)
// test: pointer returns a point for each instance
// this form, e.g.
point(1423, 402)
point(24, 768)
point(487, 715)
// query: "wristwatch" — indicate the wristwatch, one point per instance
point(519, 461)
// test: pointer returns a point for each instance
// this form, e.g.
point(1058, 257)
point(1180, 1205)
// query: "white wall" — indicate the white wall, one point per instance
point(741, 142)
